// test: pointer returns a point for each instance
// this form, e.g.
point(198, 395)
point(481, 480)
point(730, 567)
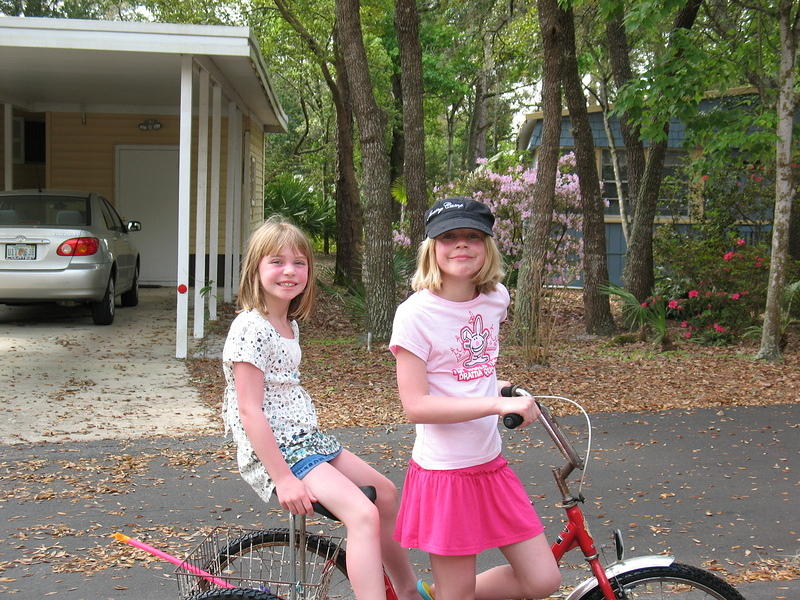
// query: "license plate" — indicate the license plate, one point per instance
point(20, 251)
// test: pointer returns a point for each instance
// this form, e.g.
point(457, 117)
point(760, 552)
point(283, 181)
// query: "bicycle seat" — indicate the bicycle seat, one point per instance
point(369, 492)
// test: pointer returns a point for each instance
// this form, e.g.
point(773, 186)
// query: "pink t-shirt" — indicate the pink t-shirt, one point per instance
point(459, 342)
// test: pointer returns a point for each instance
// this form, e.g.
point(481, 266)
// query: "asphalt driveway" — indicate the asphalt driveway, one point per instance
point(717, 490)
point(101, 433)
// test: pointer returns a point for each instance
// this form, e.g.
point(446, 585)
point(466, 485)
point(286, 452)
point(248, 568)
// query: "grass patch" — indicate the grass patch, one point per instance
point(325, 341)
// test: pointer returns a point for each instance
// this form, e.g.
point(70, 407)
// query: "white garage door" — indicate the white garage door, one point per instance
point(147, 191)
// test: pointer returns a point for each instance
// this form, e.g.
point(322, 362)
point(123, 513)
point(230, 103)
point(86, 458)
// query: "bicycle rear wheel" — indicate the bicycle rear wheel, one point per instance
point(237, 594)
point(674, 582)
point(265, 555)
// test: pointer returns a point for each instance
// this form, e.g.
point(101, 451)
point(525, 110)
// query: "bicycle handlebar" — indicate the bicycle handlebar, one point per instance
point(513, 420)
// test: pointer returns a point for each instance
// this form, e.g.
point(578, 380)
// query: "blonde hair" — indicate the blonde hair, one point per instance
point(428, 276)
point(270, 238)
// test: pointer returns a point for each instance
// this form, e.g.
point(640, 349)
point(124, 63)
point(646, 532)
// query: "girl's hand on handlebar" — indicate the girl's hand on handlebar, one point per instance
point(524, 406)
point(501, 384)
point(294, 496)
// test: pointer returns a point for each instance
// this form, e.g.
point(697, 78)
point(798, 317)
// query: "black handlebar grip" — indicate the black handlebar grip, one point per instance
point(512, 420)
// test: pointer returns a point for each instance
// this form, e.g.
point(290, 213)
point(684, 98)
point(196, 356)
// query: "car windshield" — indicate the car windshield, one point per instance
point(44, 211)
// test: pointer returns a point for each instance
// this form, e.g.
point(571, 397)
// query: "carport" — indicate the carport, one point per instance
point(167, 121)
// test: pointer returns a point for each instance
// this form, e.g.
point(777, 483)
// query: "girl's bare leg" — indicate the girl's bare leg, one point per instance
point(532, 572)
point(395, 559)
point(454, 577)
point(343, 498)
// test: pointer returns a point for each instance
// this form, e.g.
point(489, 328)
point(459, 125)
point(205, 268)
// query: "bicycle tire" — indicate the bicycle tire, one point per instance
point(234, 594)
point(674, 582)
point(268, 544)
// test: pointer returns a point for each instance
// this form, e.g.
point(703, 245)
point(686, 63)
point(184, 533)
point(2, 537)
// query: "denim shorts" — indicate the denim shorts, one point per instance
point(303, 466)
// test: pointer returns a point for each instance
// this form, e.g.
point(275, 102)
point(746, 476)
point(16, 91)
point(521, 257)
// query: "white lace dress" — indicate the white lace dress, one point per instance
point(287, 406)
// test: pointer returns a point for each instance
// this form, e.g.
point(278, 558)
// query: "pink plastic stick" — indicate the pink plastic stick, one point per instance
point(173, 559)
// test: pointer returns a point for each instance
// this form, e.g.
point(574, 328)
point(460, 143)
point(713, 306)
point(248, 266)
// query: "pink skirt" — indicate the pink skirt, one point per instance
point(464, 511)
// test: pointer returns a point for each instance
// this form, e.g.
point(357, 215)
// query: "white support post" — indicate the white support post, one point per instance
point(229, 201)
point(247, 192)
point(237, 201)
point(8, 149)
point(201, 207)
point(213, 241)
point(184, 194)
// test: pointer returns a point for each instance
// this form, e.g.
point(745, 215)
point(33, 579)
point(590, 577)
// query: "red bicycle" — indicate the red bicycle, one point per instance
point(255, 562)
point(641, 577)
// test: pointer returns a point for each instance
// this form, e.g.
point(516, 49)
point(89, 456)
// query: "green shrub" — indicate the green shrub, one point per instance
point(649, 316)
point(292, 197)
point(717, 291)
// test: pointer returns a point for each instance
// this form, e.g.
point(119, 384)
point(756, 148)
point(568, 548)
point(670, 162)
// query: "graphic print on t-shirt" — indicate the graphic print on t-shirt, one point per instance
point(474, 351)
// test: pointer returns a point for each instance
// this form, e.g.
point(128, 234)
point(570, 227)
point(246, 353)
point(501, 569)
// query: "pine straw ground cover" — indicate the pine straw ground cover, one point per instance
point(355, 386)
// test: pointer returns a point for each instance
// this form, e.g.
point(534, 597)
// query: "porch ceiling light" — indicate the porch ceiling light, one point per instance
point(150, 125)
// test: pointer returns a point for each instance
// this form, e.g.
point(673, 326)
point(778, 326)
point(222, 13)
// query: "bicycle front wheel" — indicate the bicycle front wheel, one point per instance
point(674, 582)
point(265, 555)
point(237, 594)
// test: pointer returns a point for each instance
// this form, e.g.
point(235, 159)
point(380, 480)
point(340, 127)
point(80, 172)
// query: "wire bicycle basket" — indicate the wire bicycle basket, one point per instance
point(262, 560)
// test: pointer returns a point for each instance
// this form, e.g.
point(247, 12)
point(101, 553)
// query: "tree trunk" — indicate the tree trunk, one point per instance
point(477, 124)
point(348, 207)
point(407, 25)
point(597, 307)
point(378, 273)
point(622, 198)
point(452, 112)
point(537, 229)
point(398, 146)
point(349, 222)
point(619, 53)
point(638, 273)
point(784, 184)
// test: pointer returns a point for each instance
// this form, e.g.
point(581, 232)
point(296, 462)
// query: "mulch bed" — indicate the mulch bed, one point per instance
point(355, 386)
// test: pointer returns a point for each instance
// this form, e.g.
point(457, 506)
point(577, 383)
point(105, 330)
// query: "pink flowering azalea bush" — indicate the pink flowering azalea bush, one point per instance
point(717, 292)
point(511, 195)
point(714, 316)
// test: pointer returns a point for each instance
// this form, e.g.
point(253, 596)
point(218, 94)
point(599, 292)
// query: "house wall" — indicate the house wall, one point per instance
point(254, 170)
point(80, 155)
point(80, 147)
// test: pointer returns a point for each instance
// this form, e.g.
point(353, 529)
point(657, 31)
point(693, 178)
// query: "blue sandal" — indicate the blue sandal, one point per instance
point(425, 590)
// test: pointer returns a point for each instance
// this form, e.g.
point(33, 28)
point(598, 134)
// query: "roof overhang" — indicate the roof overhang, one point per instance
point(115, 66)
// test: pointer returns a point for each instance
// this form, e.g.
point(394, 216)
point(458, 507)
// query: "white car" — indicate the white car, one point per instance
point(58, 246)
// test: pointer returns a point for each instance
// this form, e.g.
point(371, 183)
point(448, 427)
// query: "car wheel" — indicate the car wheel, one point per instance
point(103, 311)
point(131, 297)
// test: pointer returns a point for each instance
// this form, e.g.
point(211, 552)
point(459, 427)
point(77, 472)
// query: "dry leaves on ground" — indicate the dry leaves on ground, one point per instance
point(354, 386)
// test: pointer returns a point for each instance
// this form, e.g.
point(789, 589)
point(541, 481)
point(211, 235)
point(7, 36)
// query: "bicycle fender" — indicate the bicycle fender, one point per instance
point(620, 567)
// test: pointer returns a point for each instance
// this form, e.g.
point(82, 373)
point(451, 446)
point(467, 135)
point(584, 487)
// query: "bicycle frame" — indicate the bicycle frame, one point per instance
point(297, 526)
point(575, 533)
point(390, 593)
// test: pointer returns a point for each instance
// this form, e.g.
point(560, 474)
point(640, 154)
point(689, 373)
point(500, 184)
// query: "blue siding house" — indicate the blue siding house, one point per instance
point(530, 139)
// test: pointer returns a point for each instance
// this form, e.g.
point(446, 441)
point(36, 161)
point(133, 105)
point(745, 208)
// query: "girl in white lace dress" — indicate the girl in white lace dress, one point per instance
point(274, 424)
